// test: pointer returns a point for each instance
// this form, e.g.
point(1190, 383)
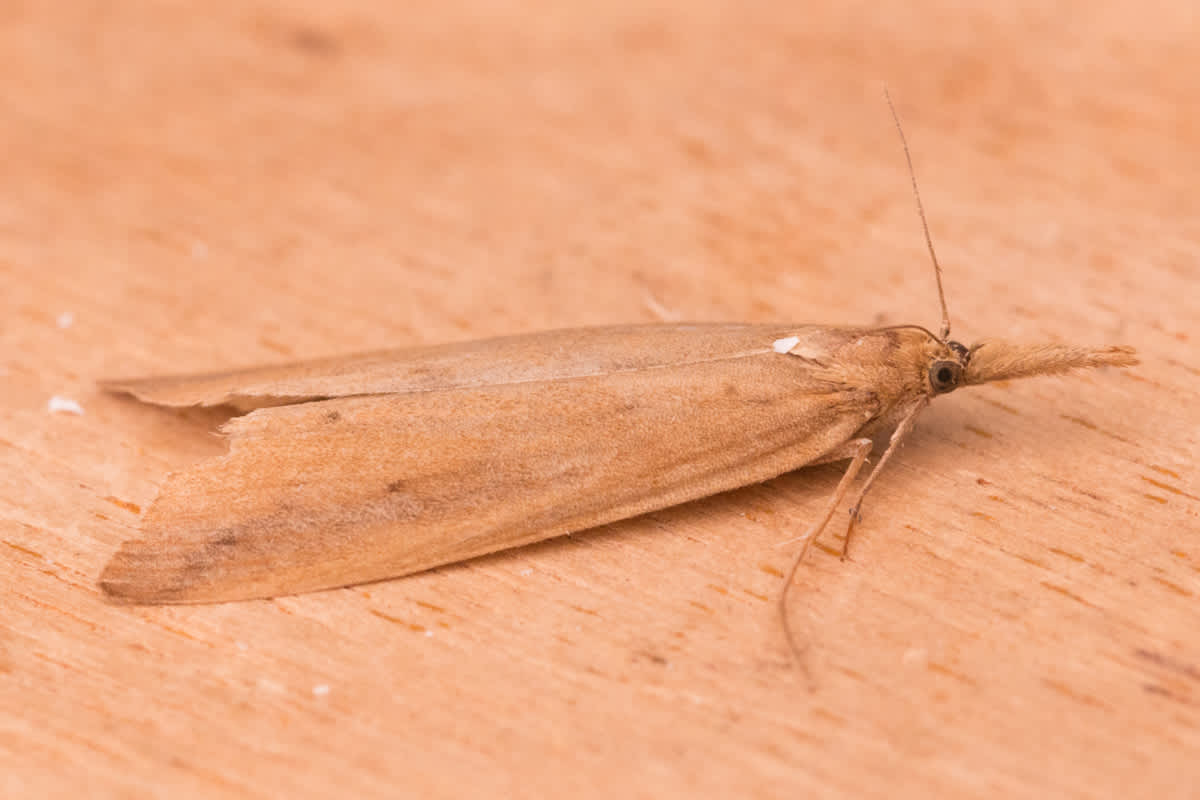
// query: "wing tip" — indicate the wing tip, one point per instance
point(132, 578)
point(146, 573)
point(174, 572)
point(154, 391)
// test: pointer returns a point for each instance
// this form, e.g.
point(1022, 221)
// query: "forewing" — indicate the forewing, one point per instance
point(358, 489)
point(544, 356)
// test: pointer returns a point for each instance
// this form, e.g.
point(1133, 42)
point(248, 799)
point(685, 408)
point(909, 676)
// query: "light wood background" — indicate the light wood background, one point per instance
point(196, 186)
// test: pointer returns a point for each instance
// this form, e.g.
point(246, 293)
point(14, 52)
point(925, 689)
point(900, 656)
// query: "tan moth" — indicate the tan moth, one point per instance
point(366, 467)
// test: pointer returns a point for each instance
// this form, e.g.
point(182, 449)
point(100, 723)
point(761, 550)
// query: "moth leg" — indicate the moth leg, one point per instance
point(845, 451)
point(857, 450)
point(840, 453)
point(902, 430)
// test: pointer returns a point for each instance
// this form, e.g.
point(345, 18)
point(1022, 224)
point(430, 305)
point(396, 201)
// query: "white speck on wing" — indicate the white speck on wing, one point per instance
point(786, 344)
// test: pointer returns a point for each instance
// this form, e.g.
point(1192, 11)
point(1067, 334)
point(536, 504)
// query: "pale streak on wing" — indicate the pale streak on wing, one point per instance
point(357, 489)
point(544, 356)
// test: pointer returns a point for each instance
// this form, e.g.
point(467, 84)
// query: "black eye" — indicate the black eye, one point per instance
point(944, 375)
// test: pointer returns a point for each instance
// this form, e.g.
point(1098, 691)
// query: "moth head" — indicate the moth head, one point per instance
point(955, 365)
point(946, 373)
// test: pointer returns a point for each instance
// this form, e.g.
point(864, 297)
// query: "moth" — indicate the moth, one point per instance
point(367, 467)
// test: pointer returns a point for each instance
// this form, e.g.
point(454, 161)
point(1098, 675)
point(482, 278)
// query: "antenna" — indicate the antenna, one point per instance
point(937, 268)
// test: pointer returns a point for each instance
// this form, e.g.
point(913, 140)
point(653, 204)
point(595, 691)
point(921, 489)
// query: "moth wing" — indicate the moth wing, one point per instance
point(544, 356)
point(350, 490)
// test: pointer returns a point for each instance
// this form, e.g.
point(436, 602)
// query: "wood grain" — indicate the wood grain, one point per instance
point(235, 183)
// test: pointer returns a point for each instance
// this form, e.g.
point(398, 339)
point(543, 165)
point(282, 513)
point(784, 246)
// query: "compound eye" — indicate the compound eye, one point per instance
point(944, 376)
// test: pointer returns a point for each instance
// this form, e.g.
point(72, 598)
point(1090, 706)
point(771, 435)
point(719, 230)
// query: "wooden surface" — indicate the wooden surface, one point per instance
point(207, 185)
